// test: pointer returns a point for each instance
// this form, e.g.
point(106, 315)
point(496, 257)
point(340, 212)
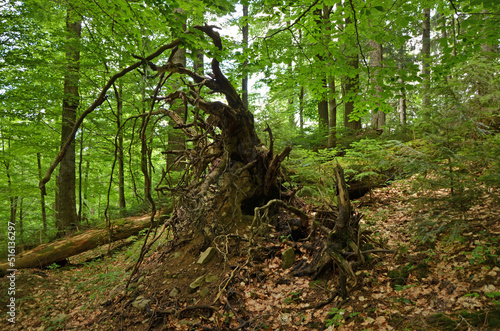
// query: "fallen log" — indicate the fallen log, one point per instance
point(46, 254)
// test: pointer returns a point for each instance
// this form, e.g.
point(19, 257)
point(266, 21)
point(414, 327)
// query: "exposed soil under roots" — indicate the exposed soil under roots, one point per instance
point(326, 248)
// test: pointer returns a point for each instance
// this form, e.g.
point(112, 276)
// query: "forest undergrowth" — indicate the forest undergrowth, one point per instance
point(442, 274)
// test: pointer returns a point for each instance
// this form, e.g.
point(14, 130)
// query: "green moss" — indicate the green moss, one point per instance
point(442, 322)
point(493, 318)
point(477, 319)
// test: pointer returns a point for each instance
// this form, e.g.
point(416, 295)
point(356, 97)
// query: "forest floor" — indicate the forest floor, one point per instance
point(444, 274)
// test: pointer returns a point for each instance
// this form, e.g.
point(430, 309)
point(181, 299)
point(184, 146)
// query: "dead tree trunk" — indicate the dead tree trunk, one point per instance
point(230, 172)
point(46, 254)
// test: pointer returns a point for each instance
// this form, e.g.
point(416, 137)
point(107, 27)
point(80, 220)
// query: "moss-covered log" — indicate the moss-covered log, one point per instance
point(47, 254)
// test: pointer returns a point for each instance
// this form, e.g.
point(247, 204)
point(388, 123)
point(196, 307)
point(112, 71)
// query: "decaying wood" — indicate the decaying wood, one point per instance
point(46, 254)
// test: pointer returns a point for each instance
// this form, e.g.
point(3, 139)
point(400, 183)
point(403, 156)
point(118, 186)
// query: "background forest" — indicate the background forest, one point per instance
point(402, 87)
point(391, 89)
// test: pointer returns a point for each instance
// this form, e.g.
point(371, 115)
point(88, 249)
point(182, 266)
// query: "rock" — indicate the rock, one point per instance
point(206, 255)
point(197, 283)
point(211, 278)
point(288, 257)
point(177, 255)
point(173, 293)
point(204, 292)
point(140, 302)
point(59, 318)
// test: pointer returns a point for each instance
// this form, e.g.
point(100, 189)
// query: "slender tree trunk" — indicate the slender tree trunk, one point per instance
point(425, 54)
point(332, 114)
point(42, 196)
point(66, 211)
point(376, 57)
point(86, 187)
point(402, 92)
point(351, 86)
point(244, 82)
point(323, 98)
point(20, 226)
point(402, 105)
point(176, 139)
point(454, 35)
point(80, 161)
point(301, 109)
point(13, 198)
point(301, 97)
point(332, 101)
point(121, 168)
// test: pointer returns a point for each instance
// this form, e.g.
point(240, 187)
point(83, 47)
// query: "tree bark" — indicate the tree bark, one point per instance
point(425, 55)
point(351, 86)
point(47, 254)
point(244, 82)
point(121, 168)
point(198, 62)
point(323, 97)
point(67, 218)
point(332, 113)
point(42, 196)
point(378, 116)
point(176, 141)
point(402, 93)
point(301, 109)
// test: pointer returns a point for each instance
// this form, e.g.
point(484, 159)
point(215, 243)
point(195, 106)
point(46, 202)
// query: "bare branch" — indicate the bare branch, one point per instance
point(100, 99)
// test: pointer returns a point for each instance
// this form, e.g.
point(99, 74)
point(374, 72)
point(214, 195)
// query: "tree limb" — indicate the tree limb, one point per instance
point(100, 99)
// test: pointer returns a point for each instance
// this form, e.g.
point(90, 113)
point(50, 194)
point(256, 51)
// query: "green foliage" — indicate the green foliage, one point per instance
point(313, 170)
point(336, 317)
point(485, 253)
point(293, 297)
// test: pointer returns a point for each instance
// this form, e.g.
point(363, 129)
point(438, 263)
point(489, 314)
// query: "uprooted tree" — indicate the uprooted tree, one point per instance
point(229, 177)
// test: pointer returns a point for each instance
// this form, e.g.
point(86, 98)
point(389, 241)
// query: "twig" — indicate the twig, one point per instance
point(100, 99)
point(357, 38)
point(294, 22)
point(456, 12)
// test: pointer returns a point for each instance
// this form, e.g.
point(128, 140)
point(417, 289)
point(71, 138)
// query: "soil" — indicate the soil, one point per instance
point(442, 274)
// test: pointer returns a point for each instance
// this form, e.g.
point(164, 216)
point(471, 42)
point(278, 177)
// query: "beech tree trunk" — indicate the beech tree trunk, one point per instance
point(378, 116)
point(244, 81)
point(42, 196)
point(351, 86)
point(426, 53)
point(121, 168)
point(332, 113)
point(46, 254)
point(176, 141)
point(66, 216)
point(321, 22)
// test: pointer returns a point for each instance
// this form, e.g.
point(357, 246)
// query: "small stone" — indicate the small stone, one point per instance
point(177, 255)
point(206, 255)
point(288, 257)
point(211, 278)
point(198, 282)
point(59, 318)
point(204, 292)
point(140, 302)
point(173, 293)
